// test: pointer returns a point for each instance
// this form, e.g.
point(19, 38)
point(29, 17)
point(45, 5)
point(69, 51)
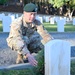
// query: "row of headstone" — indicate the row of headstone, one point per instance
point(59, 20)
point(6, 20)
point(45, 18)
point(51, 19)
point(55, 19)
point(57, 57)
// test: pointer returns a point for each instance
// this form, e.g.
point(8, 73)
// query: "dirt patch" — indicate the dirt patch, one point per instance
point(7, 57)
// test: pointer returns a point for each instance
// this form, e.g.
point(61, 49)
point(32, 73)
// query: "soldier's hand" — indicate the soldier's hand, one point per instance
point(31, 59)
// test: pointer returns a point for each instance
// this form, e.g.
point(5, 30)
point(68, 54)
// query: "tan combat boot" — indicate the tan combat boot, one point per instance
point(19, 59)
point(25, 59)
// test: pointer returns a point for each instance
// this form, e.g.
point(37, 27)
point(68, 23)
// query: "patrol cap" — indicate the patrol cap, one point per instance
point(30, 7)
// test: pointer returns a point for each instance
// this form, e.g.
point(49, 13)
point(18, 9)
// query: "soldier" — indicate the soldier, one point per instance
point(27, 35)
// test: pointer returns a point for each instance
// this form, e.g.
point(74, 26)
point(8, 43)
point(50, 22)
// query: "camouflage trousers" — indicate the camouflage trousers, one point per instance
point(33, 43)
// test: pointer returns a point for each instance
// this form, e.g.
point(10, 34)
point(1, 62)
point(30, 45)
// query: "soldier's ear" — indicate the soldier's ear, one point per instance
point(24, 12)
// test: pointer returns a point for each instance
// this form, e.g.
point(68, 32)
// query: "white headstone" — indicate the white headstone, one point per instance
point(44, 18)
point(52, 20)
point(57, 57)
point(61, 17)
point(47, 18)
point(73, 21)
point(12, 17)
point(67, 20)
point(1, 16)
point(60, 25)
point(6, 23)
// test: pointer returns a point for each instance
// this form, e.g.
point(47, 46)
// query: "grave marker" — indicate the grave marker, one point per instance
point(57, 58)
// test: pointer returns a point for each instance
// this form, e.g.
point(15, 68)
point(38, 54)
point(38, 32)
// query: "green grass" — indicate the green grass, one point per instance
point(70, 28)
point(72, 68)
point(30, 72)
point(16, 72)
point(50, 27)
point(1, 28)
point(53, 27)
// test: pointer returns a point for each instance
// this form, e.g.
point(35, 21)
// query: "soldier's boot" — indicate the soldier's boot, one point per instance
point(19, 59)
point(25, 59)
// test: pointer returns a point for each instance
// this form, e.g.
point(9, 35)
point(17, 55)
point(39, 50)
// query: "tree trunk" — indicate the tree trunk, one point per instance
point(70, 14)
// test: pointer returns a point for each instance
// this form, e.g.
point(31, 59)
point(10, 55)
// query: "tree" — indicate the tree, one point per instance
point(70, 8)
point(58, 3)
point(3, 2)
point(70, 5)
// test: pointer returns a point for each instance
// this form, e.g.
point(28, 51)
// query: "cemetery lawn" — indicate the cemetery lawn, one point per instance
point(30, 72)
point(72, 69)
point(17, 72)
point(1, 29)
point(51, 27)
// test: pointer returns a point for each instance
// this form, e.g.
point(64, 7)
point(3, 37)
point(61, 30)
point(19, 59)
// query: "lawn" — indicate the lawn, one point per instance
point(15, 72)
point(30, 72)
point(1, 29)
point(51, 27)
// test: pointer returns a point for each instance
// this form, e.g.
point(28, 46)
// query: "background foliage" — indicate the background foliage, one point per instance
point(3, 2)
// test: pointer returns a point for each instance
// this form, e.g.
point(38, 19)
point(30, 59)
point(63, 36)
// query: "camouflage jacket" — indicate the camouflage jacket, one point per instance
point(20, 28)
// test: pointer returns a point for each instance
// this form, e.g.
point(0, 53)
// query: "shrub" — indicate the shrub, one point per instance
point(39, 70)
point(72, 68)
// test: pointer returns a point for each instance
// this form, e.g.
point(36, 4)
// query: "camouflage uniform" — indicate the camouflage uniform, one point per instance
point(27, 38)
